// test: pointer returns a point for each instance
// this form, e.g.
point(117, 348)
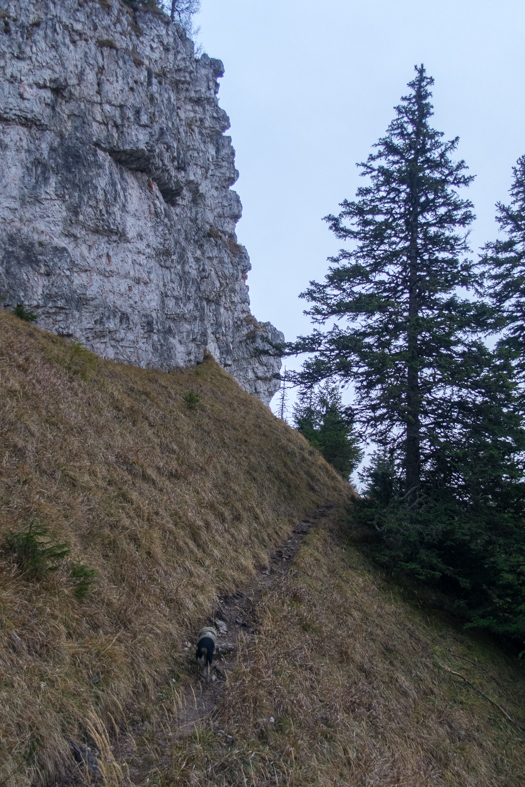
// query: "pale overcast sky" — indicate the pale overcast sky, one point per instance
point(310, 86)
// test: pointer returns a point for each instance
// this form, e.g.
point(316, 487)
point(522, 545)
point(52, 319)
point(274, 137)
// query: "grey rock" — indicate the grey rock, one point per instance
point(117, 218)
point(225, 647)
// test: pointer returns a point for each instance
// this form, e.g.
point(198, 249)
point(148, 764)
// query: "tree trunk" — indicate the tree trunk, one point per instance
point(413, 424)
point(413, 400)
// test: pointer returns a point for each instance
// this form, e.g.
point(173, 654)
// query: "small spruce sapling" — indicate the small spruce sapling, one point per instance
point(283, 407)
point(83, 576)
point(34, 550)
point(36, 554)
point(24, 314)
point(191, 400)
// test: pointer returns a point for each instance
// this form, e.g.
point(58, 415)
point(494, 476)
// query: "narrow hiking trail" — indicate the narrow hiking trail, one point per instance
point(235, 621)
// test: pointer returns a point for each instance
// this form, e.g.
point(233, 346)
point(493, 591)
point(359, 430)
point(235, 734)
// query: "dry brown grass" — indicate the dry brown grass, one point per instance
point(350, 674)
point(174, 506)
point(171, 505)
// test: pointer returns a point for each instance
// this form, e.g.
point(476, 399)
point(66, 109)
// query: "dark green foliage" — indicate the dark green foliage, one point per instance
point(505, 264)
point(403, 332)
point(382, 486)
point(465, 532)
point(37, 553)
point(24, 314)
point(476, 558)
point(192, 400)
point(445, 496)
point(321, 417)
point(84, 577)
point(34, 550)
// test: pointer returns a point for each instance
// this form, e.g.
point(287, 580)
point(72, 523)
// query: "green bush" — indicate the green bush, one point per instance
point(468, 545)
point(36, 554)
point(24, 314)
point(84, 577)
point(34, 551)
point(191, 399)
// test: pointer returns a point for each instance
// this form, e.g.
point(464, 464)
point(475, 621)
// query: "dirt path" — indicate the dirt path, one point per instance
point(234, 618)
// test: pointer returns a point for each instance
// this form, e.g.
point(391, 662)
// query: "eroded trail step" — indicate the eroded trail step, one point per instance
point(234, 618)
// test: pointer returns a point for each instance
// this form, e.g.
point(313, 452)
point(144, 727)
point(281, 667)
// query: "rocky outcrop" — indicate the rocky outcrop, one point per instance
point(117, 218)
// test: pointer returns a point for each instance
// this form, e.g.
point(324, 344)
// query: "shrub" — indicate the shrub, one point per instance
point(34, 550)
point(24, 314)
point(84, 577)
point(191, 400)
point(36, 554)
point(472, 550)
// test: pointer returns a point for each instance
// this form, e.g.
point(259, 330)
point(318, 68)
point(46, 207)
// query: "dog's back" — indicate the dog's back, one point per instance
point(205, 648)
point(206, 645)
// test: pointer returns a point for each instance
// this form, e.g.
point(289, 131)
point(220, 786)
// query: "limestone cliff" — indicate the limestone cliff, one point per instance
point(117, 220)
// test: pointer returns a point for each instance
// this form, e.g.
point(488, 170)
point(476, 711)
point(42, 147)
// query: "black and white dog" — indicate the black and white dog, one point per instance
point(205, 647)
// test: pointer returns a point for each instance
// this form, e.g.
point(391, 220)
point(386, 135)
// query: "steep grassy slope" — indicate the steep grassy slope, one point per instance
point(346, 685)
point(343, 684)
point(169, 502)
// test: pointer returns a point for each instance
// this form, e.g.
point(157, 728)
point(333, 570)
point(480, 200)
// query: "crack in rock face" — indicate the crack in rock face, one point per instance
point(117, 218)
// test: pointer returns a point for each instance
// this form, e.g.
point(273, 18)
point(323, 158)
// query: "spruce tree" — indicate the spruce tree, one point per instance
point(445, 495)
point(504, 260)
point(321, 417)
point(402, 333)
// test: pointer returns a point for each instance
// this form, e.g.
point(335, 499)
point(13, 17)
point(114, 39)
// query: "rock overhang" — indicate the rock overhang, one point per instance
point(117, 214)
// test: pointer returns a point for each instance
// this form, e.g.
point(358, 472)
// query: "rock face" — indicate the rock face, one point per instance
point(117, 220)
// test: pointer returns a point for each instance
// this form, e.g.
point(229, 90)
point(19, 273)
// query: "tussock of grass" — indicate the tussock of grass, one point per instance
point(169, 504)
point(350, 675)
